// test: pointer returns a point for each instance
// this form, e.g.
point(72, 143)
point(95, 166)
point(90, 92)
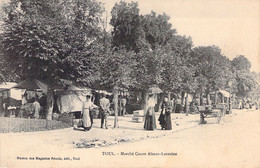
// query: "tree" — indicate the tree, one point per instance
point(116, 70)
point(7, 73)
point(147, 71)
point(212, 69)
point(241, 63)
point(176, 63)
point(127, 28)
point(158, 30)
point(245, 83)
point(52, 40)
point(245, 80)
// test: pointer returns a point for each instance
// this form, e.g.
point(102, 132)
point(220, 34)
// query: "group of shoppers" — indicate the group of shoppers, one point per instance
point(34, 107)
point(150, 121)
point(247, 104)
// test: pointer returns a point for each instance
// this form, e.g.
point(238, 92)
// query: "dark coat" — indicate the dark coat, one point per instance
point(165, 116)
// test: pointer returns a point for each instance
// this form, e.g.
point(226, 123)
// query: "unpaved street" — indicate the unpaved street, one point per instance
point(233, 143)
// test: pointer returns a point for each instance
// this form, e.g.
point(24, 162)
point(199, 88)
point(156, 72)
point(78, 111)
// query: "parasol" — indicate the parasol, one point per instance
point(154, 90)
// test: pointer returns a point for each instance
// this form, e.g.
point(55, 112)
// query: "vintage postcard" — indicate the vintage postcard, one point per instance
point(121, 83)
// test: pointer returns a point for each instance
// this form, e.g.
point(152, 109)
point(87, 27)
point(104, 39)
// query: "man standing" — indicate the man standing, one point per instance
point(123, 106)
point(240, 104)
point(104, 110)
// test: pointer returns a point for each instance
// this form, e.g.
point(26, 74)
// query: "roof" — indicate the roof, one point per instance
point(32, 84)
point(7, 85)
point(225, 93)
point(75, 88)
point(79, 90)
point(104, 92)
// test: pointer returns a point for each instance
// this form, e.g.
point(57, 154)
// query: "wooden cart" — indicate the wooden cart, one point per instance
point(208, 112)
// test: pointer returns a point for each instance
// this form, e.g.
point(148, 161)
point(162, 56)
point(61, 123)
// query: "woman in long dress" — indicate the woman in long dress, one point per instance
point(149, 123)
point(86, 120)
point(165, 116)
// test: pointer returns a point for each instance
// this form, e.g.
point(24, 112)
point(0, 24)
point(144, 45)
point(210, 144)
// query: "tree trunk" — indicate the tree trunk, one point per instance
point(182, 98)
point(199, 103)
point(145, 101)
point(49, 106)
point(201, 99)
point(160, 102)
point(169, 95)
point(208, 99)
point(186, 104)
point(216, 98)
point(120, 106)
point(115, 93)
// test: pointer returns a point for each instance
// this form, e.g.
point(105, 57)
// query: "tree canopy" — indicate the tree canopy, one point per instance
point(63, 40)
point(52, 39)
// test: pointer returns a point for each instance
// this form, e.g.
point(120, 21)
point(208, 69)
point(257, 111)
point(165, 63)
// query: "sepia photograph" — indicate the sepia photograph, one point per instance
point(129, 83)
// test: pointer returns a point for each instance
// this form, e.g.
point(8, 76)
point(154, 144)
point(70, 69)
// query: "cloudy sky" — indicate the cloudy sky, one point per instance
point(233, 25)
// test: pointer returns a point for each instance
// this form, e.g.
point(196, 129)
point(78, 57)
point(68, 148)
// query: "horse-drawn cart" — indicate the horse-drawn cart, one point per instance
point(208, 112)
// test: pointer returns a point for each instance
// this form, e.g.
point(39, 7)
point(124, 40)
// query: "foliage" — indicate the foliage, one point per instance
point(116, 69)
point(52, 39)
point(148, 68)
point(246, 81)
point(178, 74)
point(6, 70)
point(241, 63)
point(158, 30)
point(63, 40)
point(127, 28)
point(211, 67)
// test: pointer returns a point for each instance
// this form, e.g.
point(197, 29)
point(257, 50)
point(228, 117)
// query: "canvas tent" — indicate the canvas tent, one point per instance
point(224, 93)
point(72, 99)
point(32, 84)
point(7, 85)
point(9, 94)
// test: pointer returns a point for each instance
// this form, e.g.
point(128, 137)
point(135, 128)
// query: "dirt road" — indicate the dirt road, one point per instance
point(234, 143)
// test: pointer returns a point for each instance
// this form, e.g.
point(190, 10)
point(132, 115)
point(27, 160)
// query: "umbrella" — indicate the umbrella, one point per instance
point(154, 90)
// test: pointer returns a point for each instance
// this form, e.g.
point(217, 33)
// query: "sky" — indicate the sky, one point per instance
point(233, 25)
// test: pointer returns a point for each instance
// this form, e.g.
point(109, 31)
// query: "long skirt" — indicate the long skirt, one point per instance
point(150, 123)
point(165, 121)
point(86, 120)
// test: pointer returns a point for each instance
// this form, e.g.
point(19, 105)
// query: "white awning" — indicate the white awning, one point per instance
point(224, 93)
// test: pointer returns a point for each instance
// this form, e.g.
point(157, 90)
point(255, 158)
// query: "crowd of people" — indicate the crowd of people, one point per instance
point(35, 107)
point(247, 104)
point(28, 107)
point(86, 119)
